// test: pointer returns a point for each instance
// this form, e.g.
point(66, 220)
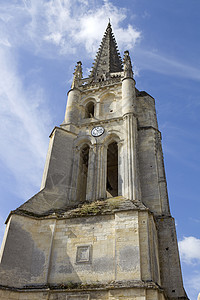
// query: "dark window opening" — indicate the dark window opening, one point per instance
point(112, 170)
point(83, 173)
point(89, 110)
point(102, 78)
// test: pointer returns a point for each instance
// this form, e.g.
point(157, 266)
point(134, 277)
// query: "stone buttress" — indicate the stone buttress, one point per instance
point(100, 227)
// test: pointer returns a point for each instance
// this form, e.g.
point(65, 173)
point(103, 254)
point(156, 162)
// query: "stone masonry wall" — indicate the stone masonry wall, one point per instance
point(86, 250)
point(114, 294)
point(26, 252)
point(148, 170)
point(169, 256)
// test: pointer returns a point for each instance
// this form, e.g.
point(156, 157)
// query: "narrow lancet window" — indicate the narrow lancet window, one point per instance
point(112, 170)
point(83, 173)
point(89, 110)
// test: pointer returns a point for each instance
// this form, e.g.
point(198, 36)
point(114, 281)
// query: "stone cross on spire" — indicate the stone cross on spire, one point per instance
point(108, 58)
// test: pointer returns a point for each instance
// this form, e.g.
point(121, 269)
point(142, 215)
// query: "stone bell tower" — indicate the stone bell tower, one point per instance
point(100, 227)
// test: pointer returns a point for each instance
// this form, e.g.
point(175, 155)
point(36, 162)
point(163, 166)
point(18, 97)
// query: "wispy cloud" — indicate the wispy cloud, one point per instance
point(23, 134)
point(195, 220)
point(190, 250)
point(162, 63)
point(2, 228)
point(43, 28)
point(63, 27)
point(194, 283)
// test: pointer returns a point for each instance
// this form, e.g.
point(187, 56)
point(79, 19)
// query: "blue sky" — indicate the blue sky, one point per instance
point(40, 43)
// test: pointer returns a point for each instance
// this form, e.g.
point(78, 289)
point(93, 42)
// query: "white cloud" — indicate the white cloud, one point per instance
point(63, 25)
point(23, 133)
point(59, 27)
point(93, 24)
point(190, 250)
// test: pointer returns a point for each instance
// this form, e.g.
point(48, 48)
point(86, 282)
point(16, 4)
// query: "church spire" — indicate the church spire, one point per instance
point(108, 58)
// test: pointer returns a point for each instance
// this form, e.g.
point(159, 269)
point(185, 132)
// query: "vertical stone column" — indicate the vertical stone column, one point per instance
point(164, 202)
point(74, 178)
point(131, 187)
point(120, 168)
point(97, 109)
point(101, 158)
point(90, 193)
point(128, 95)
point(73, 100)
point(128, 86)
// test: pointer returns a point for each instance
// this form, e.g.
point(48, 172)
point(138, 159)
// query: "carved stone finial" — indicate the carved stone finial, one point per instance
point(128, 72)
point(78, 74)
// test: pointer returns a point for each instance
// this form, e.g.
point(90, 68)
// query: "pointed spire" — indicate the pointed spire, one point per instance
point(108, 59)
point(78, 74)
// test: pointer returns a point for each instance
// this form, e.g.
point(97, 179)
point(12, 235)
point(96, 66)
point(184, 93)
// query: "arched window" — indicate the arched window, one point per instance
point(89, 110)
point(112, 170)
point(83, 173)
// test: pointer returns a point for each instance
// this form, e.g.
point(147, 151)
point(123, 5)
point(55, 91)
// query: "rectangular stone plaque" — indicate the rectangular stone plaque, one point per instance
point(83, 254)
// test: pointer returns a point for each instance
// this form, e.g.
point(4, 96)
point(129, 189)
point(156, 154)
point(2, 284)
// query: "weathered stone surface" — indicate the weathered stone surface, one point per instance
point(168, 255)
point(131, 293)
point(73, 240)
point(45, 251)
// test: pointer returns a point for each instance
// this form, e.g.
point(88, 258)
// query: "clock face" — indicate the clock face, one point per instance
point(97, 131)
